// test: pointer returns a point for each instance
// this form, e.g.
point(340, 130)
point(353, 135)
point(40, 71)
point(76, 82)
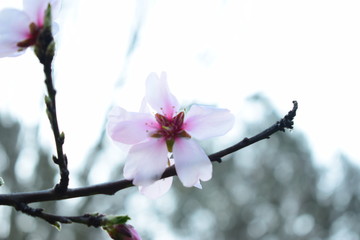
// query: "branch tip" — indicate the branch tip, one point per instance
point(288, 120)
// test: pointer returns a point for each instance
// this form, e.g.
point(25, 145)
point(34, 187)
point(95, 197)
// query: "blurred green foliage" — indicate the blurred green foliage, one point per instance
point(272, 190)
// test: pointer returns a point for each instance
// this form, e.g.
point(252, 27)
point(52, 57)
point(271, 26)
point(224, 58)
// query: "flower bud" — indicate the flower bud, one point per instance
point(122, 232)
point(117, 228)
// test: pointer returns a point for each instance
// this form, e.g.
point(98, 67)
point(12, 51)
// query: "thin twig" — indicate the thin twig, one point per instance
point(45, 50)
point(285, 123)
point(61, 159)
point(94, 220)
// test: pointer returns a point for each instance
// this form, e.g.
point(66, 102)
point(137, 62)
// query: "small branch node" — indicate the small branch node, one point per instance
point(93, 220)
point(62, 138)
point(55, 159)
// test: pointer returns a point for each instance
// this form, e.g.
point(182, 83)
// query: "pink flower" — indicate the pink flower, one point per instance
point(166, 137)
point(19, 29)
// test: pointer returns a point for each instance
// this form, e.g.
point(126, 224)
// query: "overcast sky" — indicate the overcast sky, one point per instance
point(214, 52)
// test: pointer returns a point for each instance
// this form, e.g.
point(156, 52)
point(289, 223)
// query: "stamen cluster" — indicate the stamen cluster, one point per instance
point(31, 40)
point(170, 129)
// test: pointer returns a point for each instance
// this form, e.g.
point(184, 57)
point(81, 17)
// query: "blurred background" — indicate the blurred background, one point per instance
point(252, 57)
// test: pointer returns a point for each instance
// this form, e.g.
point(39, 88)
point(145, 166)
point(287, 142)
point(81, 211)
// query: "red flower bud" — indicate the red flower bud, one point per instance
point(122, 232)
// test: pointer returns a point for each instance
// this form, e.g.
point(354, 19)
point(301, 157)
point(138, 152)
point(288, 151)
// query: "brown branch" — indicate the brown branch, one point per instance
point(111, 188)
point(45, 50)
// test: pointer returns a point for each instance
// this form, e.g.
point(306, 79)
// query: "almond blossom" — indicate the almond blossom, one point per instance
point(19, 29)
point(162, 134)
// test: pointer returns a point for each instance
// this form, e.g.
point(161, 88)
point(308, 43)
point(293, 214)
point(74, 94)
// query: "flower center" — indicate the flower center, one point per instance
point(170, 129)
point(31, 40)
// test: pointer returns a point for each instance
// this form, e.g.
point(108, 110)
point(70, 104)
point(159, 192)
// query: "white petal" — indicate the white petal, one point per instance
point(14, 28)
point(191, 162)
point(146, 162)
point(54, 28)
point(198, 185)
point(144, 108)
point(8, 48)
point(203, 122)
point(159, 96)
point(157, 189)
point(130, 127)
point(36, 9)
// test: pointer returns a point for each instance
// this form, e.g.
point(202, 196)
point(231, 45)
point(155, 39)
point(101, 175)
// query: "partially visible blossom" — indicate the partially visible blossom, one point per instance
point(118, 229)
point(122, 232)
point(19, 29)
point(162, 134)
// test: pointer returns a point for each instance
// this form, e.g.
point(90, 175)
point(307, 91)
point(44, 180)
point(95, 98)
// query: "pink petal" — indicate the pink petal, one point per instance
point(146, 162)
point(157, 189)
point(203, 122)
point(191, 162)
point(130, 127)
point(159, 96)
point(14, 28)
point(36, 9)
